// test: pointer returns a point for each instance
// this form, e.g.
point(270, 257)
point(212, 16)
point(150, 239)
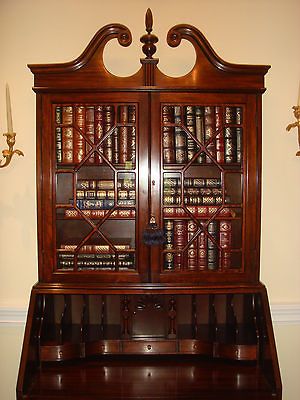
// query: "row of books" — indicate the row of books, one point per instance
point(104, 204)
point(193, 200)
point(218, 130)
point(104, 194)
point(94, 261)
point(98, 214)
point(168, 212)
point(100, 194)
point(79, 128)
point(207, 251)
point(198, 212)
point(92, 248)
point(107, 184)
point(173, 182)
point(196, 191)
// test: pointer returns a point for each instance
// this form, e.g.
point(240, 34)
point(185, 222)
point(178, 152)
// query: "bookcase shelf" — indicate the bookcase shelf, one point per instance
point(148, 231)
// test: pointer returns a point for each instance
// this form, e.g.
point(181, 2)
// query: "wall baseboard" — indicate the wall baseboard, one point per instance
point(281, 314)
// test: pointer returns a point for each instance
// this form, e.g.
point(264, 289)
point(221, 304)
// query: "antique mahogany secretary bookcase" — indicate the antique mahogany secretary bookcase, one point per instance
point(148, 231)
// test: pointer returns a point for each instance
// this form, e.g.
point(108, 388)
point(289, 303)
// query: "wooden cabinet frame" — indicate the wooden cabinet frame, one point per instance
point(118, 321)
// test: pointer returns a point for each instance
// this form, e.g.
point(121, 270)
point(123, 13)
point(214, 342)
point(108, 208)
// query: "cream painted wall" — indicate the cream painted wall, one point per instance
point(242, 31)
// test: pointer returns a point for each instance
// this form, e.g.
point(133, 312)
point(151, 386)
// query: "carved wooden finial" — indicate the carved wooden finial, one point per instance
point(149, 39)
point(149, 21)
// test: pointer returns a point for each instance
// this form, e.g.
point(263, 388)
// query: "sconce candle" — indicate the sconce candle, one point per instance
point(10, 135)
point(8, 111)
point(299, 95)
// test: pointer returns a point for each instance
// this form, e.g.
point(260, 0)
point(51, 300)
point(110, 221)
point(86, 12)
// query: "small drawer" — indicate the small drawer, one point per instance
point(245, 352)
point(102, 347)
point(149, 347)
point(62, 352)
point(195, 346)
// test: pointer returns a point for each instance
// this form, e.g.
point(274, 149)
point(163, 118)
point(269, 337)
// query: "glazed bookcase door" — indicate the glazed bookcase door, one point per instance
point(206, 192)
point(97, 190)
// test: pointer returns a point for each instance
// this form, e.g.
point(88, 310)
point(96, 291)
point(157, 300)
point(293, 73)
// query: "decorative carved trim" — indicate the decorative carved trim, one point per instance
point(201, 45)
point(93, 52)
point(149, 39)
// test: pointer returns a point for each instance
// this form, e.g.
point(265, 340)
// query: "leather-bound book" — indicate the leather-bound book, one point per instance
point(209, 132)
point(90, 131)
point(230, 115)
point(199, 127)
point(180, 240)
point(230, 145)
point(190, 123)
point(202, 251)
point(108, 124)
point(132, 134)
point(225, 244)
point(168, 135)
point(58, 133)
point(123, 136)
point(180, 138)
point(169, 234)
point(238, 115)
point(212, 247)
point(220, 135)
point(193, 247)
point(79, 141)
point(67, 135)
point(239, 132)
point(99, 131)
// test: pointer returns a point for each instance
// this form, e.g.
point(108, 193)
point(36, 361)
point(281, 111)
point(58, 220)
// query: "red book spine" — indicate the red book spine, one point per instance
point(58, 133)
point(192, 249)
point(180, 239)
point(109, 122)
point(202, 251)
point(96, 214)
point(99, 131)
point(79, 142)
point(225, 244)
point(67, 135)
point(90, 131)
point(198, 211)
point(132, 134)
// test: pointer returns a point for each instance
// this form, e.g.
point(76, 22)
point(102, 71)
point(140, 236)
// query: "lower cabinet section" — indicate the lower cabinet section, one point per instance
point(149, 346)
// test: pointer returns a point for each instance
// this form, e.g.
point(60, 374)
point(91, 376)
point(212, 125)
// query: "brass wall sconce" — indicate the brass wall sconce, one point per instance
point(10, 136)
point(297, 123)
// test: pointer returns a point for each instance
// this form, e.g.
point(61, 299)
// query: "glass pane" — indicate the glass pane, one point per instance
point(202, 187)
point(95, 202)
